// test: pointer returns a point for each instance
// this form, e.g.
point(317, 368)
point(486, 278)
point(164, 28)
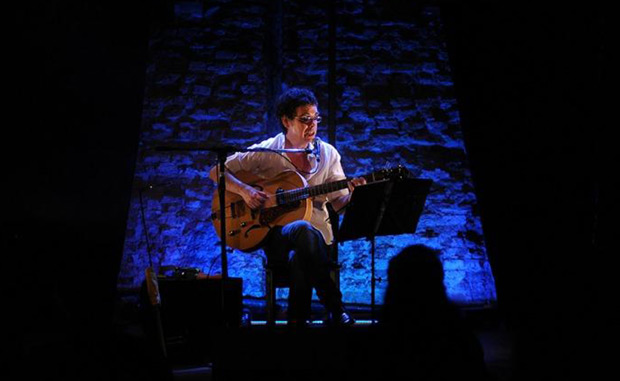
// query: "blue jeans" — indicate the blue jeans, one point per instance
point(309, 267)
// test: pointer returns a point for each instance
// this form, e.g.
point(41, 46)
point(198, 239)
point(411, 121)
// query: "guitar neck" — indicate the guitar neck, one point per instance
point(317, 190)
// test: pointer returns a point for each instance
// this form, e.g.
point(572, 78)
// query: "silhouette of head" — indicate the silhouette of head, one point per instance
point(415, 282)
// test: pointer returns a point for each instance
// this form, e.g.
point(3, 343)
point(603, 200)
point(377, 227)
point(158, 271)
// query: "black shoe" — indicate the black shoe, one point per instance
point(342, 319)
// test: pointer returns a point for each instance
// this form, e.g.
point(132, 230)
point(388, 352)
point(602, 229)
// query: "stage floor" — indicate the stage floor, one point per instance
point(280, 352)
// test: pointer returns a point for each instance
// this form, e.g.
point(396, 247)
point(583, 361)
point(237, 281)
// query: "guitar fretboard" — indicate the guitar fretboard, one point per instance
point(296, 195)
point(299, 194)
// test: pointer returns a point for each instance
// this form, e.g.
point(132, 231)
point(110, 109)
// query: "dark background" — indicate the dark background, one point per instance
point(532, 84)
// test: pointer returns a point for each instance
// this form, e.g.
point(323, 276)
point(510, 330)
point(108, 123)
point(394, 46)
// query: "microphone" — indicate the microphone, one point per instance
point(317, 148)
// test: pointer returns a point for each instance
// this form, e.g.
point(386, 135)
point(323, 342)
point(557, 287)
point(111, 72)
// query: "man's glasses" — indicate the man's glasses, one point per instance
point(309, 119)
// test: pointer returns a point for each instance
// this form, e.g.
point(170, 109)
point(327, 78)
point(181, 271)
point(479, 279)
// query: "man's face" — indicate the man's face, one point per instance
point(302, 129)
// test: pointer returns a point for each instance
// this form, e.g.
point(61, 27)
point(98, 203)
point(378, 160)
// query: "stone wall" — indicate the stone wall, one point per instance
point(208, 80)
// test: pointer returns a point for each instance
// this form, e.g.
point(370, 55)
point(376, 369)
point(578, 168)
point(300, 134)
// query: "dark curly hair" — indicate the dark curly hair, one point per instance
point(291, 99)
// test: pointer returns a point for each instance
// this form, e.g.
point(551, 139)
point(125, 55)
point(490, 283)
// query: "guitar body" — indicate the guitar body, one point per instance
point(290, 199)
point(247, 228)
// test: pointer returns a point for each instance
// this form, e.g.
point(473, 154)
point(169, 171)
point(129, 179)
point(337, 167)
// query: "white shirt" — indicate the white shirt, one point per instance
point(325, 166)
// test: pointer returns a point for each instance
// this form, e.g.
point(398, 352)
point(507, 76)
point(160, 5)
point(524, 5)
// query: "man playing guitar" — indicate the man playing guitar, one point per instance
point(309, 240)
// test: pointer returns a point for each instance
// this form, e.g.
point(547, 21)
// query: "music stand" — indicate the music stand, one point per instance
point(383, 208)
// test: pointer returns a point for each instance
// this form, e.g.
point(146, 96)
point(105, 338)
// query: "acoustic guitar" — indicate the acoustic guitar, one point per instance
point(291, 200)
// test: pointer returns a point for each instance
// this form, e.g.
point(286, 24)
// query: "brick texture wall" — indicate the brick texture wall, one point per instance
point(209, 79)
